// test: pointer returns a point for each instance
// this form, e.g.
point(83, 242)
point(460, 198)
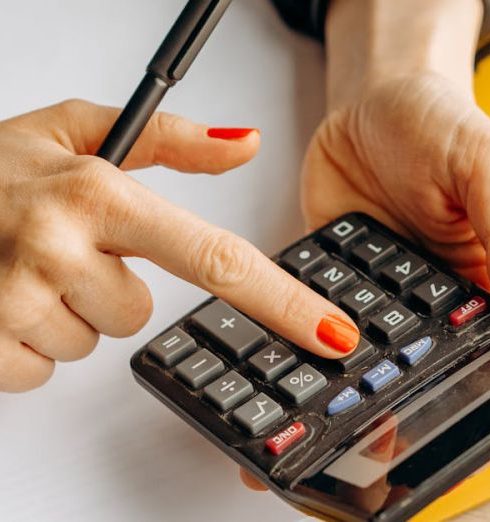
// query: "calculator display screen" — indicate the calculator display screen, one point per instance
point(401, 449)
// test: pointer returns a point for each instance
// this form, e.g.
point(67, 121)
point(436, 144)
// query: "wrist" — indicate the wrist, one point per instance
point(373, 41)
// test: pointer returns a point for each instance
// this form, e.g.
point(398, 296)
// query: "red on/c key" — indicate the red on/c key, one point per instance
point(476, 305)
point(280, 442)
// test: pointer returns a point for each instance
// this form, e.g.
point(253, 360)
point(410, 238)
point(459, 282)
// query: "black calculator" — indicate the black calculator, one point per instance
point(375, 436)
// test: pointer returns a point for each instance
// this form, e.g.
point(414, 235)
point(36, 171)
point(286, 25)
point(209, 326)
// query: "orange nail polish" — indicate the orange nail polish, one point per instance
point(339, 334)
point(229, 133)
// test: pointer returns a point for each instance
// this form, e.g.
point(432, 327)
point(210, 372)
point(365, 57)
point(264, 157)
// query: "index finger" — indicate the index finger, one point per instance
point(137, 222)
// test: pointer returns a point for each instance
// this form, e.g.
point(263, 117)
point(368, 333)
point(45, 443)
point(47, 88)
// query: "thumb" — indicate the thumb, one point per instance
point(167, 140)
point(142, 224)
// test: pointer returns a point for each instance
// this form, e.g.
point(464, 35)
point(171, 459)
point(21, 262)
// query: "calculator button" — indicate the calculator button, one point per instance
point(345, 233)
point(303, 259)
point(475, 306)
point(381, 375)
point(364, 351)
point(345, 400)
point(199, 369)
point(373, 252)
point(436, 293)
point(363, 299)
point(237, 334)
point(403, 272)
point(414, 352)
point(272, 361)
point(171, 347)
point(258, 414)
point(392, 322)
point(333, 279)
point(286, 438)
point(228, 391)
point(301, 384)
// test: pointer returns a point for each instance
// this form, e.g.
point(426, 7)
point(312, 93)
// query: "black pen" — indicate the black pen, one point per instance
point(169, 65)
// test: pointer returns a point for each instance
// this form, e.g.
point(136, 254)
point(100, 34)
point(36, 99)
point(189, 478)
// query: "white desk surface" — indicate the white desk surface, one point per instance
point(92, 445)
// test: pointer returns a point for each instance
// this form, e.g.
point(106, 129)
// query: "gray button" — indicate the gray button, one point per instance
point(237, 334)
point(303, 258)
point(272, 361)
point(364, 351)
point(200, 368)
point(258, 414)
point(302, 384)
point(392, 322)
point(172, 347)
point(228, 391)
point(333, 279)
point(363, 299)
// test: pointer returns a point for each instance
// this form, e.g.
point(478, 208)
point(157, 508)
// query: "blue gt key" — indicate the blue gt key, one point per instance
point(412, 353)
point(344, 400)
point(380, 376)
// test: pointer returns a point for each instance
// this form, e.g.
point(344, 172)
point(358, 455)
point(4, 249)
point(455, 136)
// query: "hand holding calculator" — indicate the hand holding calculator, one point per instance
point(406, 410)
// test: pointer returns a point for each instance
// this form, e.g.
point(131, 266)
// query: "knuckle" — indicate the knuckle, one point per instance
point(81, 347)
point(168, 123)
point(222, 261)
point(24, 370)
point(136, 312)
point(73, 106)
point(291, 304)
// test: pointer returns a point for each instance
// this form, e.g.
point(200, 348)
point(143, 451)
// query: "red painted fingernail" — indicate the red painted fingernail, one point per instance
point(229, 133)
point(339, 334)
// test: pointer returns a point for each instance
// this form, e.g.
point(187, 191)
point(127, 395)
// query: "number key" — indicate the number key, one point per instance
point(435, 294)
point(333, 279)
point(362, 299)
point(403, 272)
point(392, 322)
point(341, 235)
point(373, 252)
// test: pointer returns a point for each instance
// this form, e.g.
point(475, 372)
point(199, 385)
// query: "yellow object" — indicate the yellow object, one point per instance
point(482, 84)
point(469, 495)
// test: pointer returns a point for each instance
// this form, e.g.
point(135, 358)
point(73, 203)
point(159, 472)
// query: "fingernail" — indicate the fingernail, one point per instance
point(229, 133)
point(339, 334)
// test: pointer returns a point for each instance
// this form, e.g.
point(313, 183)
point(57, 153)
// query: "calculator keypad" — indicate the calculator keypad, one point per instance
point(233, 331)
point(260, 384)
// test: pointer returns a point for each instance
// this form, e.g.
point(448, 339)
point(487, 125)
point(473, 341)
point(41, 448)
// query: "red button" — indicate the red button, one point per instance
point(476, 305)
point(276, 445)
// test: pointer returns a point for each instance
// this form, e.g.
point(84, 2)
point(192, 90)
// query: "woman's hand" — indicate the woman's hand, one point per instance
point(404, 140)
point(67, 218)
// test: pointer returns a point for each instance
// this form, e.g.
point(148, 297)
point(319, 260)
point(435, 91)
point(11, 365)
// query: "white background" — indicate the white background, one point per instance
point(92, 445)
